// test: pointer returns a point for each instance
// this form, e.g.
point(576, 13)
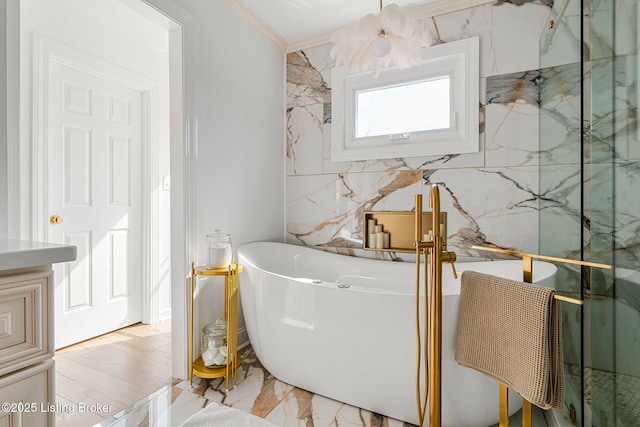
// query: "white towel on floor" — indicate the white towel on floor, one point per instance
point(218, 415)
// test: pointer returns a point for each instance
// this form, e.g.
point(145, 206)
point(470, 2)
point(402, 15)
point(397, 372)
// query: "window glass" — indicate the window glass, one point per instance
point(410, 107)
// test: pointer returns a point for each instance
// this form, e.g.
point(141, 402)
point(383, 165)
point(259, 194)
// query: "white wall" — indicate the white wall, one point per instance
point(240, 136)
point(234, 127)
point(9, 141)
point(3, 122)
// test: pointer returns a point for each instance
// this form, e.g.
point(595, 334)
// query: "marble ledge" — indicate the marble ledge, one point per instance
point(20, 254)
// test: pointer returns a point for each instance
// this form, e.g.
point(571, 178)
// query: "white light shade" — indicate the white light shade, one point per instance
point(360, 48)
point(381, 47)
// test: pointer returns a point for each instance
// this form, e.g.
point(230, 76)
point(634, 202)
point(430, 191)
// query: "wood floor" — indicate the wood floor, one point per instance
point(114, 370)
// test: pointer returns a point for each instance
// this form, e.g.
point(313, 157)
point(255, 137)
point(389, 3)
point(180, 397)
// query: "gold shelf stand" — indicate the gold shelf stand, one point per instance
point(527, 276)
point(234, 360)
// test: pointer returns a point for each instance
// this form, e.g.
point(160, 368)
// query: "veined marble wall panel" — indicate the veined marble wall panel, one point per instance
point(610, 106)
point(614, 169)
point(560, 114)
point(305, 132)
point(625, 27)
point(513, 119)
point(495, 207)
point(604, 30)
point(492, 196)
point(600, 29)
point(508, 34)
point(626, 119)
point(600, 210)
point(560, 134)
point(560, 44)
point(627, 167)
point(306, 85)
point(560, 217)
point(633, 143)
point(327, 210)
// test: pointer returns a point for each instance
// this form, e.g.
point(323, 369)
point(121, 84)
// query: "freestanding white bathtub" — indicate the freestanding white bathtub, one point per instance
point(344, 327)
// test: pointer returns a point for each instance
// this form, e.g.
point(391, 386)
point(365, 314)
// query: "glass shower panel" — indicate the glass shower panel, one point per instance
point(590, 178)
point(625, 304)
point(600, 340)
point(627, 243)
point(561, 217)
point(613, 92)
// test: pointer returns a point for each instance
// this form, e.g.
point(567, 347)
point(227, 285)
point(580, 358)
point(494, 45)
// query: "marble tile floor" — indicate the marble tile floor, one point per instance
point(259, 393)
point(616, 397)
point(109, 370)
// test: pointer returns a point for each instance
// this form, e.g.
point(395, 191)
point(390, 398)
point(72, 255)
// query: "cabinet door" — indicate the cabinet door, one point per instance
point(25, 308)
point(28, 397)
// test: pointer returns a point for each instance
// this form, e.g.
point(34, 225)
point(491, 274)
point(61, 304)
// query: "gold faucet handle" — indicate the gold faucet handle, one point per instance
point(455, 272)
point(450, 257)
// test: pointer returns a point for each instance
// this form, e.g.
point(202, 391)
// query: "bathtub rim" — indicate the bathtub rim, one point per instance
point(460, 267)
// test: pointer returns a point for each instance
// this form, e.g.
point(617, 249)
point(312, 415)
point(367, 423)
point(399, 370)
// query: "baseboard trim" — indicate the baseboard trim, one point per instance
point(243, 338)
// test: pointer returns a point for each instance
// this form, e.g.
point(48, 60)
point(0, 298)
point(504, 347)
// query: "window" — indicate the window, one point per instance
point(428, 109)
point(381, 111)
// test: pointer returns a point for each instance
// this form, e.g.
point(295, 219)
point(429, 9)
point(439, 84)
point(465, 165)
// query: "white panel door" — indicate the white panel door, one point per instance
point(94, 186)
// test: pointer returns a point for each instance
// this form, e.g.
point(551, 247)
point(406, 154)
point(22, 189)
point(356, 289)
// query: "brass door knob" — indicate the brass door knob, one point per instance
point(55, 219)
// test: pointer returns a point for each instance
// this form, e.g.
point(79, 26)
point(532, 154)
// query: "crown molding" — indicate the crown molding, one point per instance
point(320, 39)
point(256, 22)
point(439, 7)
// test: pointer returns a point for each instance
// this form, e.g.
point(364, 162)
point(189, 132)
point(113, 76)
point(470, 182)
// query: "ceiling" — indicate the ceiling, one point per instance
point(298, 20)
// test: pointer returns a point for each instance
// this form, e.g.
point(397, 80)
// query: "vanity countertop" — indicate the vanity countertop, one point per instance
point(23, 254)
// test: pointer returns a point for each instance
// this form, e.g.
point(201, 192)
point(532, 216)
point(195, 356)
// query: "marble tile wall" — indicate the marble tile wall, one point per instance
point(492, 197)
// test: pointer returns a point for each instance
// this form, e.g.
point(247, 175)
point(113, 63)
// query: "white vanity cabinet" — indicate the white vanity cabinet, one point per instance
point(26, 306)
point(27, 394)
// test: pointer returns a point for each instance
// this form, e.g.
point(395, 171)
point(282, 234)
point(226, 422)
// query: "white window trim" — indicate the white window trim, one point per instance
point(460, 59)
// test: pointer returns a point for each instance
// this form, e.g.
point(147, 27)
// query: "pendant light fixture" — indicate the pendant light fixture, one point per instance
point(395, 36)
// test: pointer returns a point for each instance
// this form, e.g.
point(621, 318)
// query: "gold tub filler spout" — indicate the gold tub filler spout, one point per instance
point(432, 305)
point(425, 234)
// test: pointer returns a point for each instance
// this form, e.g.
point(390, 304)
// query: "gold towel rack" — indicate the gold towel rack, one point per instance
point(527, 276)
point(545, 257)
point(527, 267)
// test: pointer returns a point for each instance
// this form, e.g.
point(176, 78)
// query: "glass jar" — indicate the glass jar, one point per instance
point(214, 343)
point(219, 249)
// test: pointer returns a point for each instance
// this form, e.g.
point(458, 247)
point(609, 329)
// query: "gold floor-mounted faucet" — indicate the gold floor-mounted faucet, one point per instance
point(406, 237)
point(433, 250)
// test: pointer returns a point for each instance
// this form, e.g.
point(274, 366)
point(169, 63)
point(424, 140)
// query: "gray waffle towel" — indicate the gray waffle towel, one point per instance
point(511, 331)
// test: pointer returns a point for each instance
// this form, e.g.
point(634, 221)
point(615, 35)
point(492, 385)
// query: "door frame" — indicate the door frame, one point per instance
point(45, 51)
